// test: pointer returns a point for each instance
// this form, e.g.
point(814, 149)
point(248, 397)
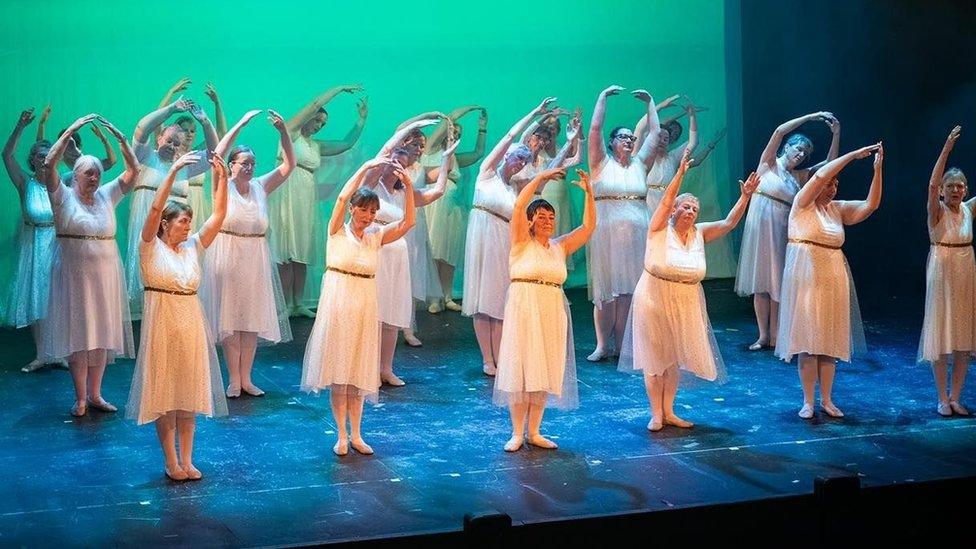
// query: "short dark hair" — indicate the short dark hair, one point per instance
point(539, 204)
point(173, 210)
point(364, 198)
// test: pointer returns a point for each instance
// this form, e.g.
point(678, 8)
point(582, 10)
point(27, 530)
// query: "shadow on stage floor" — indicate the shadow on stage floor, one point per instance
point(271, 478)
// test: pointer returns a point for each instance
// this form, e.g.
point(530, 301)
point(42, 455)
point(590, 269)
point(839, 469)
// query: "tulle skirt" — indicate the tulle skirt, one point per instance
point(139, 206)
point(200, 203)
point(393, 285)
point(615, 253)
point(818, 312)
point(557, 194)
point(343, 350)
point(537, 362)
point(445, 221)
point(423, 275)
point(950, 303)
point(177, 366)
point(30, 287)
point(486, 279)
point(763, 248)
point(295, 231)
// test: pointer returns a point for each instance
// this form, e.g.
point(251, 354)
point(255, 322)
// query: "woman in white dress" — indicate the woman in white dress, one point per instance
point(395, 274)
point(615, 251)
point(666, 162)
point(818, 317)
point(343, 349)
point(295, 222)
point(26, 304)
point(87, 316)
point(177, 374)
point(240, 289)
point(73, 150)
point(764, 234)
point(949, 327)
point(488, 241)
point(446, 217)
point(669, 330)
point(536, 362)
point(155, 163)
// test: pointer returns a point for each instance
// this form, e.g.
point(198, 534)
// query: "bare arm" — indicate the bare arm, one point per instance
point(699, 157)
point(42, 123)
point(596, 148)
point(296, 122)
point(153, 120)
point(409, 211)
point(935, 181)
point(834, 145)
point(440, 132)
point(692, 143)
point(572, 142)
point(110, 158)
point(579, 236)
point(714, 230)
point(351, 186)
point(332, 148)
point(17, 175)
point(435, 191)
point(469, 158)
point(660, 218)
point(53, 158)
point(645, 154)
point(219, 117)
point(128, 177)
point(640, 130)
point(520, 224)
point(768, 157)
point(211, 227)
point(151, 226)
point(227, 141)
point(856, 211)
point(403, 131)
point(276, 177)
point(809, 192)
point(180, 85)
point(498, 152)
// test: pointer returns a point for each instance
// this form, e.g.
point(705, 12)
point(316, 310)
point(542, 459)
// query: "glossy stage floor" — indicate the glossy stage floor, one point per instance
point(271, 478)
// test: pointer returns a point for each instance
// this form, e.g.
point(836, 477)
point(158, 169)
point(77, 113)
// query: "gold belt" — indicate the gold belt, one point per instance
point(86, 236)
point(350, 273)
point(666, 279)
point(814, 243)
point(537, 281)
point(39, 225)
point(657, 187)
point(620, 197)
point(494, 213)
point(171, 292)
point(154, 189)
point(948, 245)
point(243, 235)
point(381, 223)
point(195, 185)
point(786, 203)
point(306, 168)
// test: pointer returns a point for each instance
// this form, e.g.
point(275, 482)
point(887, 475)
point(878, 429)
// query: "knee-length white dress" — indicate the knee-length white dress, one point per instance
point(446, 216)
point(30, 287)
point(295, 231)
point(487, 247)
point(393, 276)
point(764, 234)
point(199, 200)
point(423, 276)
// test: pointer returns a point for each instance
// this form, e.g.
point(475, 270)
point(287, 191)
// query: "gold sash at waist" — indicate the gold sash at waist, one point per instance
point(813, 243)
point(350, 273)
point(86, 236)
point(666, 279)
point(171, 292)
point(786, 203)
point(243, 235)
point(537, 281)
point(494, 213)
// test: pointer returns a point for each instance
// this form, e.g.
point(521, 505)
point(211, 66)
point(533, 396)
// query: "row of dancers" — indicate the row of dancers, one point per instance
point(515, 267)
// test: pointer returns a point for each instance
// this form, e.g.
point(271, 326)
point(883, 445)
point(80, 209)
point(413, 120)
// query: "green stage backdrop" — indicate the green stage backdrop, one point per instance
point(118, 58)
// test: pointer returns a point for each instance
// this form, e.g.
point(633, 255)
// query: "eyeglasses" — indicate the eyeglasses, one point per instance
point(626, 137)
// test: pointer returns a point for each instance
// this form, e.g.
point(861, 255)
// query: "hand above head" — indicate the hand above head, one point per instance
point(686, 161)
point(218, 164)
point(98, 133)
point(879, 157)
point(823, 116)
point(750, 185)
point(558, 112)
point(404, 178)
point(380, 161)
point(546, 105)
point(362, 106)
point(182, 105)
point(351, 88)
point(452, 142)
point(180, 85)
point(81, 122)
point(642, 95)
point(573, 129)
point(553, 173)
point(483, 120)
point(250, 115)
point(612, 90)
point(46, 113)
point(865, 152)
point(953, 136)
point(187, 159)
point(276, 120)
point(584, 181)
point(197, 112)
point(211, 92)
point(26, 117)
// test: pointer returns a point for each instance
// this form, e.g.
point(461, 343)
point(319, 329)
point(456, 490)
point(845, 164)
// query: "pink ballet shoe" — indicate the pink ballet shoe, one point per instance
point(360, 446)
point(452, 305)
point(655, 424)
point(435, 307)
point(598, 355)
point(806, 412)
point(192, 473)
point(341, 448)
point(233, 391)
point(177, 473)
point(34, 366)
point(412, 340)
point(944, 409)
point(675, 421)
point(392, 380)
point(759, 345)
point(79, 409)
point(958, 408)
point(541, 442)
point(489, 369)
point(514, 444)
point(831, 410)
point(102, 405)
point(252, 390)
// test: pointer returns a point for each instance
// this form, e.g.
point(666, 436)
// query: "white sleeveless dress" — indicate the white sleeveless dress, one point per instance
point(343, 350)
point(177, 367)
point(446, 216)
point(536, 353)
point(487, 248)
point(616, 249)
point(393, 276)
point(241, 290)
point(669, 324)
point(950, 286)
point(199, 200)
point(660, 174)
point(763, 249)
point(296, 230)
point(423, 276)
point(30, 287)
point(818, 311)
point(87, 307)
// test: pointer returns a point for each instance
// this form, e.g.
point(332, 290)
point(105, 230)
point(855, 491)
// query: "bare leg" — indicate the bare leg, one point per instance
point(773, 321)
point(299, 274)
point(482, 330)
point(285, 273)
point(387, 347)
point(96, 371)
point(339, 413)
point(445, 271)
point(166, 431)
point(654, 385)
point(355, 405)
point(827, 366)
point(960, 364)
point(517, 411)
point(807, 368)
point(671, 379)
point(232, 354)
point(537, 407)
point(603, 321)
point(248, 348)
point(186, 424)
point(78, 364)
point(35, 364)
point(496, 337)
point(411, 338)
point(761, 305)
point(940, 371)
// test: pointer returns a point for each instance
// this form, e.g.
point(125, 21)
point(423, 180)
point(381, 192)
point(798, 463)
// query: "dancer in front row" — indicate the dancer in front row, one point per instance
point(343, 350)
point(819, 318)
point(177, 374)
point(536, 359)
point(669, 328)
point(949, 327)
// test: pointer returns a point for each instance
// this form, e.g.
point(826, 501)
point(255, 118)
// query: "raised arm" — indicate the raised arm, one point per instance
point(351, 186)
point(809, 192)
point(699, 157)
point(181, 85)
point(520, 223)
point(469, 158)
point(332, 148)
point(595, 145)
point(128, 177)
point(640, 130)
point(110, 158)
point(219, 118)
point(155, 119)
point(646, 152)
point(440, 132)
point(17, 175)
point(714, 230)
point(572, 143)
point(555, 113)
point(435, 191)
point(660, 218)
point(210, 228)
point(853, 212)
point(151, 226)
point(579, 236)
point(273, 179)
point(692, 143)
point(52, 180)
point(935, 181)
point(498, 152)
point(768, 157)
point(409, 211)
point(42, 122)
point(404, 130)
point(227, 141)
point(834, 150)
point(295, 122)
